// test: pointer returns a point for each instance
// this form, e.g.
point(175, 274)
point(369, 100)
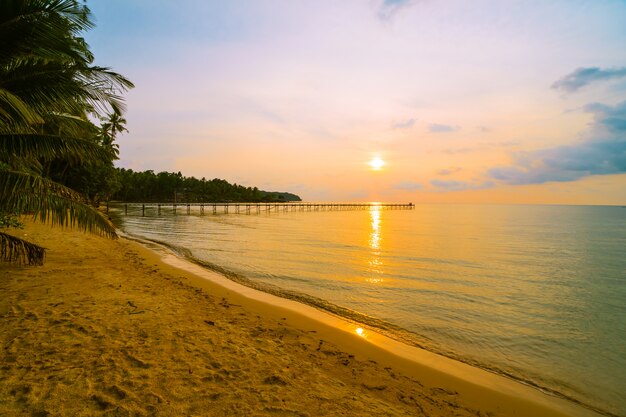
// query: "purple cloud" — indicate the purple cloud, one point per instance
point(604, 153)
point(459, 150)
point(584, 76)
point(448, 171)
point(404, 124)
point(441, 128)
point(453, 185)
point(389, 8)
point(408, 185)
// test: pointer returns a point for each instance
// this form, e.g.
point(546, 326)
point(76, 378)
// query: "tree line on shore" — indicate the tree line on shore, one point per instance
point(59, 117)
point(50, 148)
point(170, 187)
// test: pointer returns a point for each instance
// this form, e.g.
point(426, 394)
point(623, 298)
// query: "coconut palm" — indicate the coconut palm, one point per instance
point(48, 86)
point(111, 125)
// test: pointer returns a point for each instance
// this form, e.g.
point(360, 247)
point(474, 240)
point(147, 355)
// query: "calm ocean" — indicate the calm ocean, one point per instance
point(537, 293)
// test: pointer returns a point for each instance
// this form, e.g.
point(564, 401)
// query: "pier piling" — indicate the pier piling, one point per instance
point(267, 207)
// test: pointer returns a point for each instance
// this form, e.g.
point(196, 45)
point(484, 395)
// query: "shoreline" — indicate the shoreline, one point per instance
point(388, 336)
point(325, 354)
point(412, 358)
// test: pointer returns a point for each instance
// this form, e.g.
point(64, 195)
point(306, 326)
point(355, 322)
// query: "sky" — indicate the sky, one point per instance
point(498, 101)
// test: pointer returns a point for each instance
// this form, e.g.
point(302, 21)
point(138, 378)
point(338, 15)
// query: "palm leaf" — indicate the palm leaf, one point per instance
point(37, 29)
point(13, 108)
point(47, 87)
point(47, 201)
point(29, 145)
point(69, 125)
point(16, 250)
point(102, 85)
point(67, 88)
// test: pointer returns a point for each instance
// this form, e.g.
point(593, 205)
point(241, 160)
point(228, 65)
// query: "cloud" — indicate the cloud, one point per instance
point(389, 8)
point(609, 119)
point(358, 194)
point(453, 185)
point(441, 128)
point(603, 153)
point(584, 76)
point(404, 124)
point(483, 129)
point(452, 151)
point(502, 144)
point(480, 146)
point(448, 171)
point(408, 185)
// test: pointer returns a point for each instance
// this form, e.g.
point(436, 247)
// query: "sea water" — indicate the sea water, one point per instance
point(536, 293)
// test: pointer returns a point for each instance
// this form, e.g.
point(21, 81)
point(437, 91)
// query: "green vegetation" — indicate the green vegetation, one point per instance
point(53, 160)
point(55, 163)
point(174, 187)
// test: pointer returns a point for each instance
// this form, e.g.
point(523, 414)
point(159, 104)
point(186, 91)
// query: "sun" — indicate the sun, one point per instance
point(376, 163)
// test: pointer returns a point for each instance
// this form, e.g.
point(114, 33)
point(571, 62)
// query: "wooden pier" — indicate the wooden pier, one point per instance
point(247, 208)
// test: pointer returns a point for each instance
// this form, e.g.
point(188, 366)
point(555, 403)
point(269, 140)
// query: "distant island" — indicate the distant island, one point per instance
point(173, 187)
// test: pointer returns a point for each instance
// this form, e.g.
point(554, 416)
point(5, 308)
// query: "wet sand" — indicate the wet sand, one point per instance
point(106, 327)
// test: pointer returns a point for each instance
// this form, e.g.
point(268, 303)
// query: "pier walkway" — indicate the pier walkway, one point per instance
point(247, 208)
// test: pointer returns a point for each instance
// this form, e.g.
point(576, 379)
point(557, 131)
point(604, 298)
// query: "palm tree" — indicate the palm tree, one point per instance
point(113, 124)
point(48, 86)
point(110, 126)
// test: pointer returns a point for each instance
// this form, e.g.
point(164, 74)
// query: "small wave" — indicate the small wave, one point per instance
point(381, 326)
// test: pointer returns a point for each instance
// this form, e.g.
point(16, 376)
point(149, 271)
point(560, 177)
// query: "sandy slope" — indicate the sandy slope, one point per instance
point(105, 328)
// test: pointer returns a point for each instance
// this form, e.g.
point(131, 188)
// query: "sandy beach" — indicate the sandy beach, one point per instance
point(105, 327)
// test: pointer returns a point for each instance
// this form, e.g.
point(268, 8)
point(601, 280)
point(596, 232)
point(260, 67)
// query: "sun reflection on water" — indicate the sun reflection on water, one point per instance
point(375, 264)
point(375, 222)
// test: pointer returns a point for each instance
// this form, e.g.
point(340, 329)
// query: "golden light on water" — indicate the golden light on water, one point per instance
point(376, 163)
point(375, 224)
point(359, 331)
point(375, 263)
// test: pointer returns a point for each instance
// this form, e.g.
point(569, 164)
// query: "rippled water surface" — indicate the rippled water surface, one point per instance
point(534, 292)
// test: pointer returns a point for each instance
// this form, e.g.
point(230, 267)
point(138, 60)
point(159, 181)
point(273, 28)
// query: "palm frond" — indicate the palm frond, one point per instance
point(69, 125)
point(48, 86)
point(16, 250)
point(13, 108)
point(14, 183)
point(37, 29)
point(29, 145)
point(45, 86)
point(48, 201)
point(66, 87)
point(65, 11)
point(104, 87)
